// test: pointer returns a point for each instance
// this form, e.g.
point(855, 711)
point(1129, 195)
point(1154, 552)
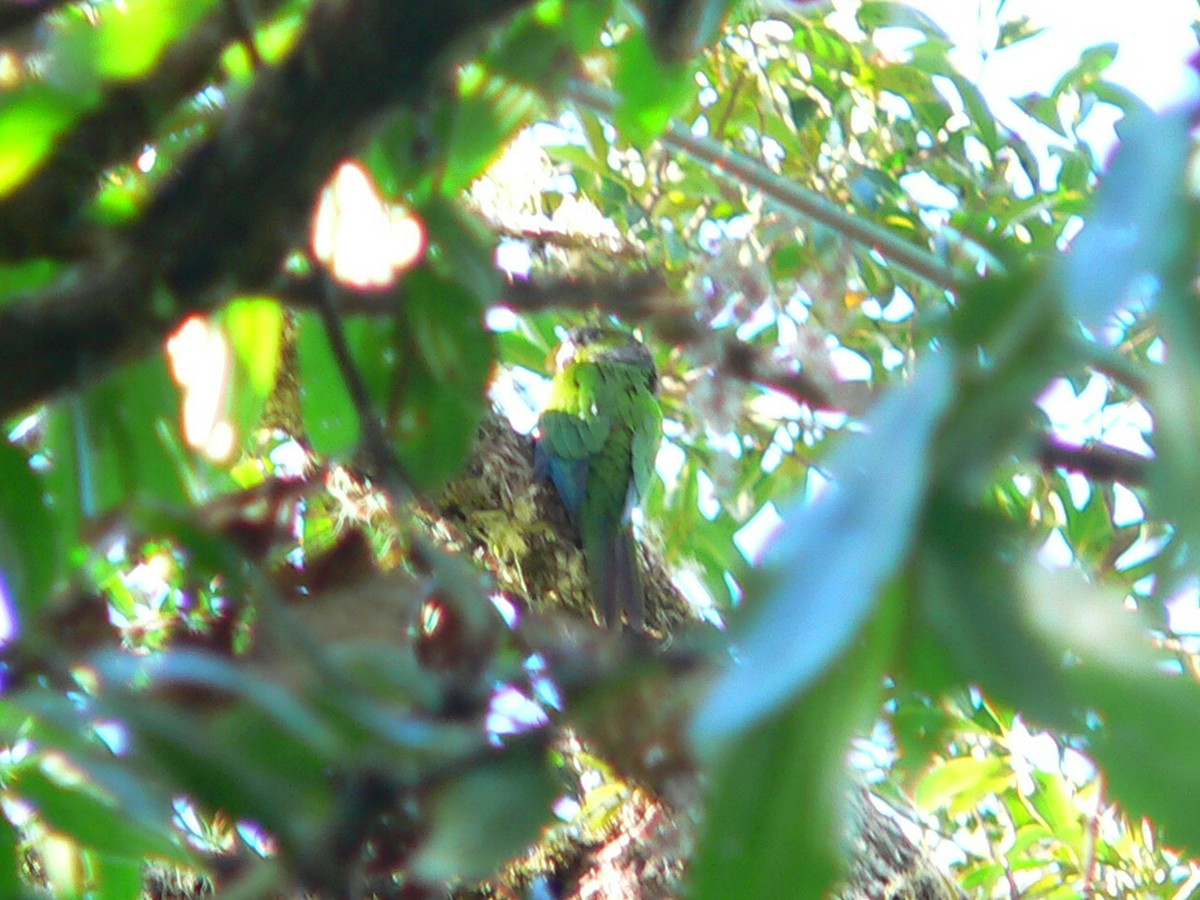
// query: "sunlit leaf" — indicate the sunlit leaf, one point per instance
point(651, 91)
point(962, 784)
point(126, 40)
point(31, 120)
point(1136, 226)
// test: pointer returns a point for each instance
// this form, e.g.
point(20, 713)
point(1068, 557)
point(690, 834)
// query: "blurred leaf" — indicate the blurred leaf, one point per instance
point(1017, 30)
point(31, 119)
point(206, 672)
point(1042, 108)
point(239, 762)
point(680, 29)
point(123, 41)
point(487, 815)
point(541, 47)
point(107, 445)
point(876, 14)
point(802, 108)
point(462, 249)
point(27, 275)
point(31, 551)
point(651, 91)
point(486, 117)
point(118, 878)
point(255, 329)
point(833, 557)
point(962, 784)
point(95, 823)
point(969, 599)
point(1058, 812)
point(979, 111)
point(778, 797)
point(444, 366)
point(1092, 62)
point(329, 413)
point(10, 883)
point(1136, 227)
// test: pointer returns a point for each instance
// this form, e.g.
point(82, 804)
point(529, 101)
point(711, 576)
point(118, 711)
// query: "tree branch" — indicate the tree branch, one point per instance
point(241, 200)
point(41, 216)
point(1099, 462)
point(813, 206)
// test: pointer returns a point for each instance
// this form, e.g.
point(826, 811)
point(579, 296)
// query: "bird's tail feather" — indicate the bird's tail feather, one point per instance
point(616, 582)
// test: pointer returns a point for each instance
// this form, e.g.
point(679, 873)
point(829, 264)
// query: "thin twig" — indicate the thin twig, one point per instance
point(813, 206)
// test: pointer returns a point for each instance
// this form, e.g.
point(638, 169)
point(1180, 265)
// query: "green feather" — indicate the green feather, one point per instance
point(600, 433)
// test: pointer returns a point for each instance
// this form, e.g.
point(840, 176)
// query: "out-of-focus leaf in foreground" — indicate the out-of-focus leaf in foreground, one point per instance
point(832, 558)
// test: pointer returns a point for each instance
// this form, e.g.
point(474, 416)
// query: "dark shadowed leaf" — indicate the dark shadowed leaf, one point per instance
point(96, 823)
point(30, 540)
point(487, 815)
point(444, 364)
point(968, 598)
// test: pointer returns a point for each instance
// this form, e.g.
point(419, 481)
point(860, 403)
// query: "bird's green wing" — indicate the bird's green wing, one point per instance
point(575, 424)
point(647, 435)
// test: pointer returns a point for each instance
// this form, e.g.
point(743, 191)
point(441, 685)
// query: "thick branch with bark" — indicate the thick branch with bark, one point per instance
point(226, 218)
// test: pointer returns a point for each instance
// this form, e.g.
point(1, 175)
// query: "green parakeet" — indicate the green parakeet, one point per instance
point(600, 433)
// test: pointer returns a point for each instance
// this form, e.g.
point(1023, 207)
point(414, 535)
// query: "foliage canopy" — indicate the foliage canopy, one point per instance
point(288, 605)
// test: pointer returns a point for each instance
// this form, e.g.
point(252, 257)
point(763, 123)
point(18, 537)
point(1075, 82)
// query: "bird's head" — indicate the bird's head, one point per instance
point(598, 344)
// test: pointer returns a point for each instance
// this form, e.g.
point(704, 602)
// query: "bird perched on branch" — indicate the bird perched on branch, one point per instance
point(600, 433)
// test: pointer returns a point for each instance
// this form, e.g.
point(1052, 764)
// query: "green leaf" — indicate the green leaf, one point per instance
point(487, 815)
point(1092, 62)
point(833, 558)
point(962, 784)
point(255, 329)
point(778, 795)
point(113, 444)
point(240, 762)
point(329, 413)
point(445, 361)
point(1042, 108)
point(123, 42)
point(969, 600)
point(31, 120)
point(18, 277)
point(10, 882)
point(1017, 30)
point(95, 823)
point(979, 111)
point(1137, 225)
point(31, 551)
point(651, 92)
point(881, 14)
point(489, 113)
point(462, 249)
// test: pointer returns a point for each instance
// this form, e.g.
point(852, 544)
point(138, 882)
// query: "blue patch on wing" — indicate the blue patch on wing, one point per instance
point(569, 477)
